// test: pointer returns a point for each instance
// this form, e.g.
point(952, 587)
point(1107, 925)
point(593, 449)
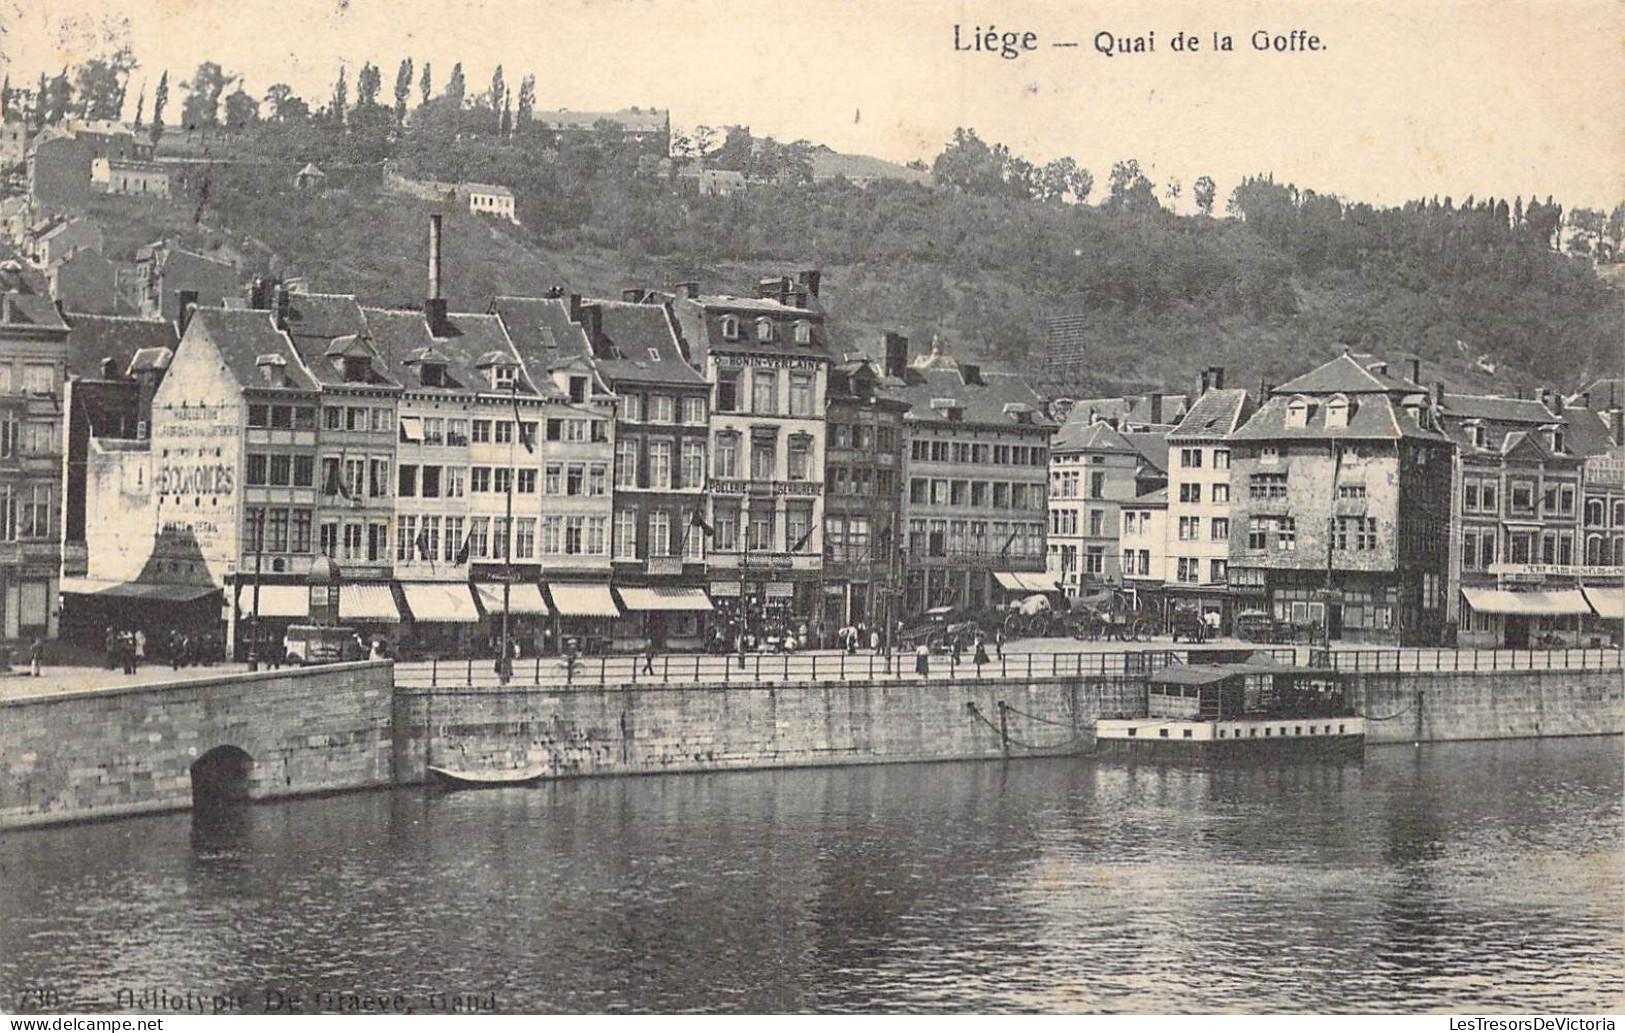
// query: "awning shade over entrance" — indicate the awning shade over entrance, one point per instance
point(134, 590)
point(275, 600)
point(367, 603)
point(526, 599)
point(583, 600)
point(1018, 582)
point(1556, 603)
point(437, 603)
point(665, 598)
point(1608, 602)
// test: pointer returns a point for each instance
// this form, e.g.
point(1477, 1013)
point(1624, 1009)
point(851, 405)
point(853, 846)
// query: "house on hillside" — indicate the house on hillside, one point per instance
point(129, 177)
point(163, 271)
point(490, 199)
point(85, 281)
point(648, 129)
point(56, 240)
point(310, 178)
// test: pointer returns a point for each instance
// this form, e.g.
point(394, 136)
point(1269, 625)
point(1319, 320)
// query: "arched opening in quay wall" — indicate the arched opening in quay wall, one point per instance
point(220, 777)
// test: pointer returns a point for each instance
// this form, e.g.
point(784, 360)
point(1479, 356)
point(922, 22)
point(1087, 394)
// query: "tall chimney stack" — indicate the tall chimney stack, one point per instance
point(434, 307)
point(896, 355)
point(1416, 371)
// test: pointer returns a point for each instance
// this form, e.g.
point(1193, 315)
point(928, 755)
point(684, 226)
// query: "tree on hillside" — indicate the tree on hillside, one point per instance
point(1205, 192)
point(499, 96)
point(242, 110)
point(1588, 225)
point(403, 89)
point(1616, 226)
point(1129, 189)
point(505, 127)
point(1172, 192)
point(100, 83)
point(60, 96)
point(39, 101)
point(160, 100)
point(340, 103)
point(285, 105)
point(426, 83)
point(527, 105)
point(140, 107)
point(969, 164)
point(5, 98)
point(1063, 178)
point(368, 83)
point(201, 109)
point(705, 141)
point(456, 88)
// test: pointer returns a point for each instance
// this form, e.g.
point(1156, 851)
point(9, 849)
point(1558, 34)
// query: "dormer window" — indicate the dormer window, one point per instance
point(803, 332)
point(578, 389)
point(432, 374)
point(764, 330)
point(1556, 439)
point(504, 377)
point(1337, 412)
point(1297, 412)
point(356, 370)
point(1478, 435)
point(730, 328)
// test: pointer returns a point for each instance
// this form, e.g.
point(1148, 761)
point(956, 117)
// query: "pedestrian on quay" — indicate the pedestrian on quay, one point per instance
point(36, 654)
point(998, 642)
point(649, 657)
point(140, 646)
point(126, 648)
point(922, 660)
point(110, 646)
point(981, 653)
point(172, 644)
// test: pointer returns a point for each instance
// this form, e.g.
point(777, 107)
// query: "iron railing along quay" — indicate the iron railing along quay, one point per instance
point(759, 669)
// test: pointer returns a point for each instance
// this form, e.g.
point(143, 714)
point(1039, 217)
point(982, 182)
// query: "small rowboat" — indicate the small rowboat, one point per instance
point(491, 779)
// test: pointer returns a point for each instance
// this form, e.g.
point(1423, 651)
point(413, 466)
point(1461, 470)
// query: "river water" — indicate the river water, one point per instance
point(1447, 877)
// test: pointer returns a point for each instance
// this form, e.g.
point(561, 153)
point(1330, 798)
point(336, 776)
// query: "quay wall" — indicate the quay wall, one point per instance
point(562, 733)
point(1448, 706)
point(130, 750)
point(119, 751)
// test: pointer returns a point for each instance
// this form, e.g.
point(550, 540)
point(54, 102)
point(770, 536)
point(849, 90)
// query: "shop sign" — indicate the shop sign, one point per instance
point(780, 590)
point(791, 489)
point(1540, 570)
point(766, 361)
point(725, 589)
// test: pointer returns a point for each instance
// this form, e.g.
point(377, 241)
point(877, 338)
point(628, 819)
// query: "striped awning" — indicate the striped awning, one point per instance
point(665, 598)
point(1608, 602)
point(133, 590)
point(368, 603)
point(275, 601)
point(576, 599)
point(1018, 582)
point(526, 599)
point(438, 602)
point(1562, 602)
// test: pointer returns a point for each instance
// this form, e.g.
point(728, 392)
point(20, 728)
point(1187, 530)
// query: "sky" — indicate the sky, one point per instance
point(1404, 100)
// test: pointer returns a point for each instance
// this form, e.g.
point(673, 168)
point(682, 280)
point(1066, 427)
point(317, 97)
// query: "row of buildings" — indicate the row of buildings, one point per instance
point(1353, 499)
point(671, 466)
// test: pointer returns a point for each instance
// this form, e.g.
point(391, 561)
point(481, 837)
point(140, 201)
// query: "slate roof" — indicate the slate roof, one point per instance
point(640, 345)
point(317, 321)
point(1152, 446)
point(30, 310)
point(1347, 374)
point(1373, 417)
point(120, 338)
point(1097, 436)
point(1495, 407)
point(242, 335)
point(1217, 413)
point(401, 338)
point(542, 332)
point(487, 188)
point(1155, 497)
point(1604, 391)
point(982, 403)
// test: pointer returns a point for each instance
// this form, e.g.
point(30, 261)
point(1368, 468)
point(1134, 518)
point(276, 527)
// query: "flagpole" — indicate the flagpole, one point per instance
point(504, 665)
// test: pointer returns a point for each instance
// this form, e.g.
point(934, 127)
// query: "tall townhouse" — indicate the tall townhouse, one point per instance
point(33, 355)
point(1199, 500)
point(1144, 543)
point(234, 436)
point(863, 500)
point(1518, 498)
point(977, 475)
point(1602, 579)
point(1342, 503)
point(1095, 469)
point(768, 359)
point(659, 470)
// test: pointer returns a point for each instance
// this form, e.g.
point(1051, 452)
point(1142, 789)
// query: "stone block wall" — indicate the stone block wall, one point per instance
point(644, 730)
point(1445, 706)
point(129, 750)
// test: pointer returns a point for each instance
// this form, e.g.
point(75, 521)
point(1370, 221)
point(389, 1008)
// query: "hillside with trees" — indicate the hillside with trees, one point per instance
point(1265, 278)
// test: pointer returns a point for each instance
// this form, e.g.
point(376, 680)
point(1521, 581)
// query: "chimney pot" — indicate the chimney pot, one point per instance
point(592, 320)
point(896, 355)
point(689, 289)
point(188, 302)
point(1156, 407)
point(575, 308)
point(1416, 371)
point(1438, 394)
point(812, 279)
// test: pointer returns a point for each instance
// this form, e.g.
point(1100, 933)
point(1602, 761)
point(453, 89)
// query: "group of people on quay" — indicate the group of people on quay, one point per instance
point(127, 649)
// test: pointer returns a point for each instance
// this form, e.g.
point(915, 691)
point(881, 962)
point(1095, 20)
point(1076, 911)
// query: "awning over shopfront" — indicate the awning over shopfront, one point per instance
point(134, 590)
point(665, 598)
point(1018, 582)
point(368, 603)
point(436, 602)
point(525, 598)
point(1608, 602)
point(275, 601)
point(1562, 602)
point(576, 599)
